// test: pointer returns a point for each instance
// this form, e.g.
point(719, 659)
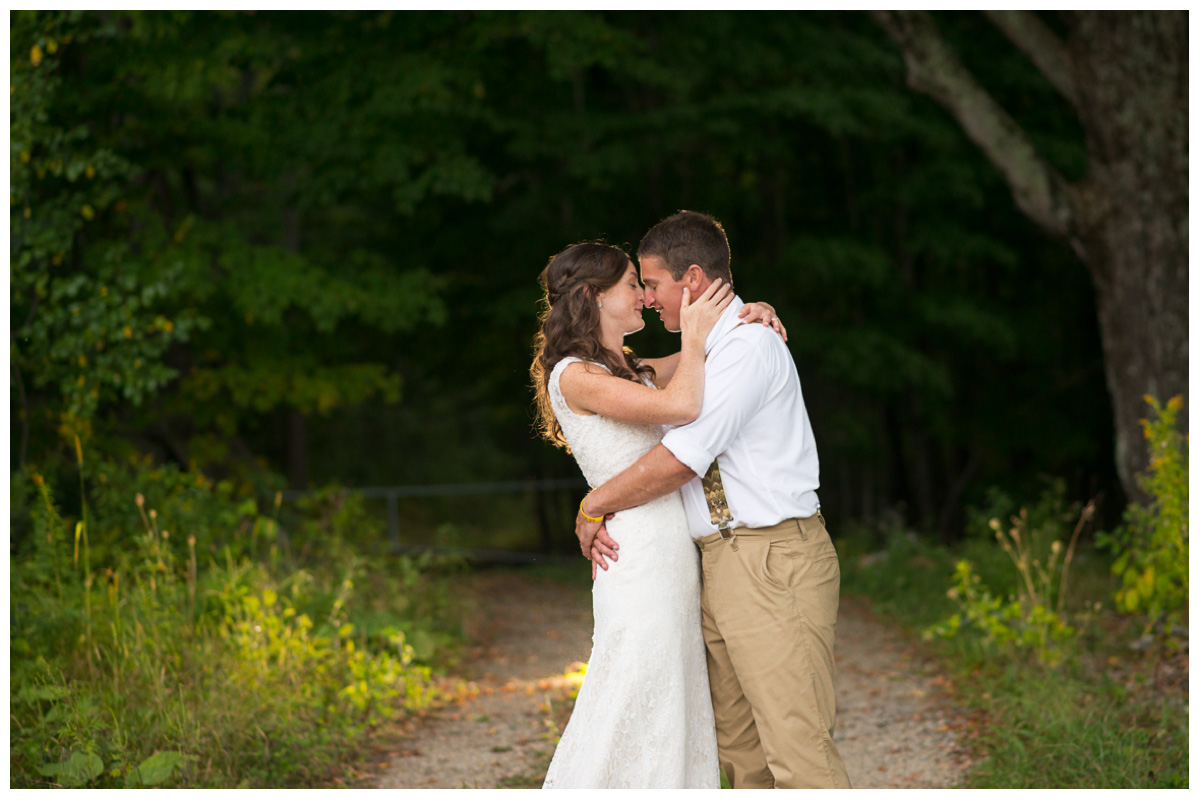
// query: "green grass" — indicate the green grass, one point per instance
point(1057, 730)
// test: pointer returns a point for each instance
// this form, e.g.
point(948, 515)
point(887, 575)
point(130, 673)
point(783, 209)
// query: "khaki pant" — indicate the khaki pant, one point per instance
point(769, 608)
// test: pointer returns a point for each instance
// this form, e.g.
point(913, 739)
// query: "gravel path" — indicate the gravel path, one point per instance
point(895, 727)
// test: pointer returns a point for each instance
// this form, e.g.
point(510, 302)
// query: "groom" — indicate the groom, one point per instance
point(748, 471)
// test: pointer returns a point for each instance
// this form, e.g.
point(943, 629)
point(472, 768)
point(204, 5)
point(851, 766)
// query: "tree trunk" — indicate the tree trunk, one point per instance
point(1126, 75)
point(1132, 215)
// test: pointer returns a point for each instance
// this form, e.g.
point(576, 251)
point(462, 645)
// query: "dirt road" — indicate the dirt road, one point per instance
point(895, 727)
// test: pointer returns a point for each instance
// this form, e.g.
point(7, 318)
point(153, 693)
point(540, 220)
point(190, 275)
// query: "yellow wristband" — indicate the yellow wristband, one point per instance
point(585, 515)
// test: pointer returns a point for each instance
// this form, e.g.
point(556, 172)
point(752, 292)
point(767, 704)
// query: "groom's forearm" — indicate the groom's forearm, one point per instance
point(653, 475)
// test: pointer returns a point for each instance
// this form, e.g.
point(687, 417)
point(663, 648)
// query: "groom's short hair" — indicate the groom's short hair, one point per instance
point(687, 238)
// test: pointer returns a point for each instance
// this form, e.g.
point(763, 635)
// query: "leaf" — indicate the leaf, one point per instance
point(76, 771)
point(32, 694)
point(423, 645)
point(155, 769)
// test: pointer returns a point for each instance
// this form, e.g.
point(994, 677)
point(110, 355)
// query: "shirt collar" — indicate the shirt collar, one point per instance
point(727, 322)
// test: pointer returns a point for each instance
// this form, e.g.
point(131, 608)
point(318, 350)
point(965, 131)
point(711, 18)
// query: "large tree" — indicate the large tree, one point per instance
point(1126, 77)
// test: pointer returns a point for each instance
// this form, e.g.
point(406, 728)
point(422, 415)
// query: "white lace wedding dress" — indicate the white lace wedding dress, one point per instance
point(644, 717)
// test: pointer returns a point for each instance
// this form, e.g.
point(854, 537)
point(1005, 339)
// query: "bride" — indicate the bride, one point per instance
point(644, 717)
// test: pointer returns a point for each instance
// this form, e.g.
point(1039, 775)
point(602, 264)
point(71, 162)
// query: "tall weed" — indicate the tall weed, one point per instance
point(1034, 618)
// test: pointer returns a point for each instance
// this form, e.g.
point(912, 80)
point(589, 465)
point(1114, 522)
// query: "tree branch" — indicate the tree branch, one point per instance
point(933, 69)
point(1048, 52)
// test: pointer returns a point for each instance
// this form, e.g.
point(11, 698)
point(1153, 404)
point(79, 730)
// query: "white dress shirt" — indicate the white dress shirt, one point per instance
point(754, 418)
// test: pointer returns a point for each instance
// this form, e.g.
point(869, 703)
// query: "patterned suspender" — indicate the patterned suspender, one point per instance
point(714, 495)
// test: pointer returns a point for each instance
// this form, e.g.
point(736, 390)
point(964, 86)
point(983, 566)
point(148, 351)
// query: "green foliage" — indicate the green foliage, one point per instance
point(200, 654)
point(1152, 546)
point(1009, 626)
point(95, 333)
point(150, 155)
point(155, 770)
point(77, 770)
point(1035, 619)
point(314, 235)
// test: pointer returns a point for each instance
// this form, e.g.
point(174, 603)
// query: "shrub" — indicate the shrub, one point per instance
point(1152, 546)
point(1034, 619)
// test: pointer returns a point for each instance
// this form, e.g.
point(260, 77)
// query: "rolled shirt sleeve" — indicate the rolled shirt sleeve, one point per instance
point(736, 384)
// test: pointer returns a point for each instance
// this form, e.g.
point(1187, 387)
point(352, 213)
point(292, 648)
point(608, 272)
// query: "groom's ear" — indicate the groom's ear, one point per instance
point(693, 278)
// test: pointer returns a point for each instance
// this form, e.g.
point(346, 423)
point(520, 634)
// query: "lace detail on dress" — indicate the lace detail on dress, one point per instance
point(644, 717)
point(602, 447)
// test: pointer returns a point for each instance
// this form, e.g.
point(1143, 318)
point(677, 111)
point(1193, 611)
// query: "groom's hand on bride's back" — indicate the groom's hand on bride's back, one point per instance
point(594, 541)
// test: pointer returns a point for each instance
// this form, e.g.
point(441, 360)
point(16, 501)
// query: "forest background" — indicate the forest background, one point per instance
point(260, 251)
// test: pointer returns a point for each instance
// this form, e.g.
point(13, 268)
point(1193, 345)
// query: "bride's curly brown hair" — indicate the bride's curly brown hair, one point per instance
point(570, 323)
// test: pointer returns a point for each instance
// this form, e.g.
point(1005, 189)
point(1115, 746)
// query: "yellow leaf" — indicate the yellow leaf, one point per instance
point(35, 55)
point(51, 46)
point(87, 211)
